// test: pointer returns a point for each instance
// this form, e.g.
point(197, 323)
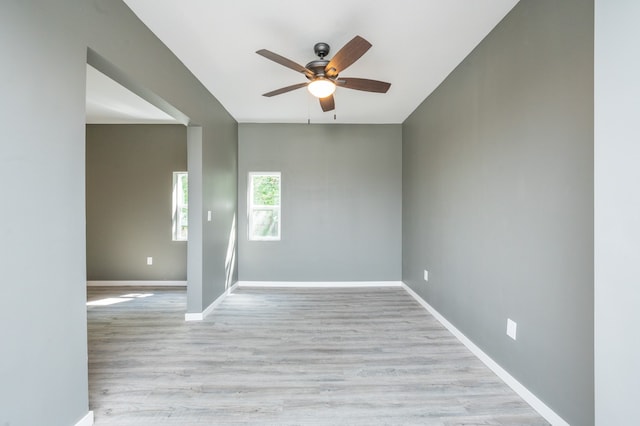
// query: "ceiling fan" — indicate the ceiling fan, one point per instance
point(323, 74)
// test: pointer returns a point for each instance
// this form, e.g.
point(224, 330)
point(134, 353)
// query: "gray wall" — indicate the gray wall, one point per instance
point(129, 180)
point(617, 210)
point(43, 368)
point(341, 202)
point(498, 200)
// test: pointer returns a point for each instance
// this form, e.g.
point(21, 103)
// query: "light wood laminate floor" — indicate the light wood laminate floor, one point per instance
point(282, 356)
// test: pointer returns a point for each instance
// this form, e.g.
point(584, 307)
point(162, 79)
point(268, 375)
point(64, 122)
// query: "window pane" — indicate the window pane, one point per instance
point(266, 190)
point(183, 223)
point(265, 223)
point(185, 188)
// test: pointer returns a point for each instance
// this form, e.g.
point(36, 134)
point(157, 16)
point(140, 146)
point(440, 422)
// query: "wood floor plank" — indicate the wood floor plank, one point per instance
point(286, 356)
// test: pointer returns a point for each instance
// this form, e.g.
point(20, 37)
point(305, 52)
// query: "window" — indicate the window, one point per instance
point(264, 206)
point(180, 206)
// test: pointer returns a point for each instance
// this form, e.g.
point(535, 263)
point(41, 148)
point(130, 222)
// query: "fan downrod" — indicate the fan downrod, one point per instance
point(317, 66)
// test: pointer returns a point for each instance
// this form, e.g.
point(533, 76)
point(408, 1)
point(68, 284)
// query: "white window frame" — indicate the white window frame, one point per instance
point(177, 205)
point(251, 206)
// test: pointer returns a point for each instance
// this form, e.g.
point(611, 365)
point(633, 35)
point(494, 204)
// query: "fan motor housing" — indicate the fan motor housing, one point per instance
point(317, 67)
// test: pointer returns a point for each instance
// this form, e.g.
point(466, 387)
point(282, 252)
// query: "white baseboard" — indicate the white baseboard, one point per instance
point(140, 283)
point(319, 284)
point(518, 387)
point(199, 316)
point(87, 420)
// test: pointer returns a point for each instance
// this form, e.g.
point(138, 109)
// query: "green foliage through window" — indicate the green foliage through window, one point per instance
point(180, 203)
point(266, 190)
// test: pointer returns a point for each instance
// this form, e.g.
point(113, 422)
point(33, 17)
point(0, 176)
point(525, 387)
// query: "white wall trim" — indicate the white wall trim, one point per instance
point(87, 420)
point(320, 284)
point(199, 316)
point(518, 387)
point(140, 283)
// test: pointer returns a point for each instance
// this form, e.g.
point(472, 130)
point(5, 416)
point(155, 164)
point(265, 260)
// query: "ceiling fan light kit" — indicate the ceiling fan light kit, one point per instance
point(323, 74)
point(321, 87)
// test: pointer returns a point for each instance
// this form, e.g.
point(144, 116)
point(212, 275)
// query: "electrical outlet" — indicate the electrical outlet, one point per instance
point(149, 260)
point(512, 327)
point(426, 275)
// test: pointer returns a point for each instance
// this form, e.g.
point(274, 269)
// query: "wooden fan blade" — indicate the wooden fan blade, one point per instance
point(346, 56)
point(364, 84)
point(328, 103)
point(283, 61)
point(284, 89)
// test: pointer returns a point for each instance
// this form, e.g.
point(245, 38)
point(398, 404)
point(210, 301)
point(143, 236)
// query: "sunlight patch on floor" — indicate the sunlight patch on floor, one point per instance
point(113, 300)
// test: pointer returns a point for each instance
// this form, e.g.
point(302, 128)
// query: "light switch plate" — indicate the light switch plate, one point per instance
point(512, 327)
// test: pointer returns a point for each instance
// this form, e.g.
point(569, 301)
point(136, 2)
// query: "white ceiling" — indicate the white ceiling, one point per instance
point(416, 44)
point(110, 103)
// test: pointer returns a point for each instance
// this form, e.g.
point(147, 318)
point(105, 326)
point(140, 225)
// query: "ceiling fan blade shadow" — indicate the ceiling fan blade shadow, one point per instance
point(283, 61)
point(350, 52)
point(364, 84)
point(328, 103)
point(284, 89)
